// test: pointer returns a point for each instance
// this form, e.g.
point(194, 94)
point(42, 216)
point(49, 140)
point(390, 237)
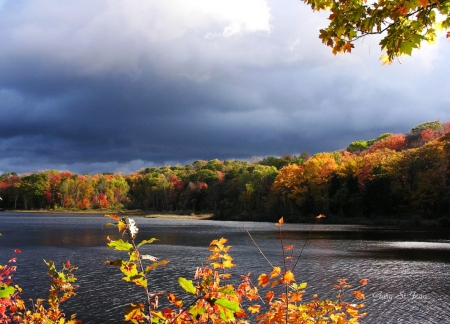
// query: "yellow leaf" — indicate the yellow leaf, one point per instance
point(254, 309)
point(353, 312)
point(385, 59)
point(275, 272)
point(288, 277)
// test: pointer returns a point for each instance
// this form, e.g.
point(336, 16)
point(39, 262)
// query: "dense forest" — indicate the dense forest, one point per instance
point(395, 175)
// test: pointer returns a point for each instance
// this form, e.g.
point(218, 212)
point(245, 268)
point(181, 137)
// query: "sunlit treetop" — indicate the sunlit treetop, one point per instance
point(403, 24)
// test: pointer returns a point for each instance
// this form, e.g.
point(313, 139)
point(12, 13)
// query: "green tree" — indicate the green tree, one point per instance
point(433, 125)
point(358, 146)
point(32, 188)
point(403, 24)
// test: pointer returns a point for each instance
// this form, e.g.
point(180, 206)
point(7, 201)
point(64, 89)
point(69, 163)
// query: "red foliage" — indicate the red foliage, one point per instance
point(48, 197)
point(428, 135)
point(394, 142)
point(221, 176)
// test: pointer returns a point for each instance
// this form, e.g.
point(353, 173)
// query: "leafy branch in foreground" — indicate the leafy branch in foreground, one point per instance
point(287, 306)
point(13, 309)
point(213, 299)
point(404, 24)
point(133, 269)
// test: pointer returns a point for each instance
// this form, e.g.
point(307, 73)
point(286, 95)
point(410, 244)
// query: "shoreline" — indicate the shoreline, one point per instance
point(135, 213)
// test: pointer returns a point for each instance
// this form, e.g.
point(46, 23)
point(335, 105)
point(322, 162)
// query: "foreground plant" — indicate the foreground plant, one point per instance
point(133, 269)
point(13, 309)
point(213, 299)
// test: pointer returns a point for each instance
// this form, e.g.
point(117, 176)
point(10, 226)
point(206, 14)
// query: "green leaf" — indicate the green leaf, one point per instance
point(6, 291)
point(231, 305)
point(187, 285)
point(147, 242)
point(407, 47)
point(120, 245)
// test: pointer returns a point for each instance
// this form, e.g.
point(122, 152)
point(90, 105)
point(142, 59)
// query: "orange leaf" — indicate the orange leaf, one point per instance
point(358, 294)
point(269, 296)
point(363, 282)
point(280, 222)
point(320, 216)
point(288, 277)
point(288, 247)
point(174, 300)
point(348, 47)
point(263, 280)
point(254, 309)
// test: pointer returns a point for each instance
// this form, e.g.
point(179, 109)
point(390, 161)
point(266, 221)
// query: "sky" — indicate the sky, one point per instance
point(115, 86)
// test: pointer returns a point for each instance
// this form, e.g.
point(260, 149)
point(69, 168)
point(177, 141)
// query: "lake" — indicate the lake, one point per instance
point(408, 269)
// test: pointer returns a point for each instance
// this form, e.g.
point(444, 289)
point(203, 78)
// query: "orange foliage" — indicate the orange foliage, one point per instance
point(394, 142)
point(373, 164)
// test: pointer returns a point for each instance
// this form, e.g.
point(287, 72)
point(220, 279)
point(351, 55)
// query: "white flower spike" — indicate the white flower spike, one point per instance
point(132, 227)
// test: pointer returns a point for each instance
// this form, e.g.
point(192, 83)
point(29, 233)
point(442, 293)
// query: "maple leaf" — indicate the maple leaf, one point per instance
point(358, 294)
point(348, 47)
point(288, 277)
point(254, 309)
point(275, 272)
point(263, 280)
point(269, 296)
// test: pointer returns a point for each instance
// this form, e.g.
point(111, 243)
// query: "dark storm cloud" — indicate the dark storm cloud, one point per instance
point(104, 86)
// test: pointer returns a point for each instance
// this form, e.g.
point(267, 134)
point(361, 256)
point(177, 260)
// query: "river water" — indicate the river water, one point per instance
point(408, 269)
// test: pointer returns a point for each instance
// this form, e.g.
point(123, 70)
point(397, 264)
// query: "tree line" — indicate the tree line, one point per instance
point(401, 175)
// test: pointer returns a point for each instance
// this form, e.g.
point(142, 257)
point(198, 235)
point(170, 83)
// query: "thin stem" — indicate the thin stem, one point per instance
point(147, 293)
point(306, 241)
point(286, 288)
point(282, 248)
point(259, 248)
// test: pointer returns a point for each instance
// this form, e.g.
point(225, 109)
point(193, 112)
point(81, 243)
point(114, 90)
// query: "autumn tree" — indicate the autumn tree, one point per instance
point(345, 193)
point(420, 179)
point(403, 25)
point(307, 184)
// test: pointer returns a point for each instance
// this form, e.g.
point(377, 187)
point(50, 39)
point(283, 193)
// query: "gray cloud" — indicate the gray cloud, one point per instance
point(106, 86)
